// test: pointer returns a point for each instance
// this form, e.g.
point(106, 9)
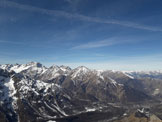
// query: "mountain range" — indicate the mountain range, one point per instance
point(34, 93)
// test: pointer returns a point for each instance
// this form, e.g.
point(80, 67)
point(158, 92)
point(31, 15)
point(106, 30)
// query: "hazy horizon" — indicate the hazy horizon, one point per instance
point(95, 67)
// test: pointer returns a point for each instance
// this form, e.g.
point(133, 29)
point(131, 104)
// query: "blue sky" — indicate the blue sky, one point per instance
point(107, 34)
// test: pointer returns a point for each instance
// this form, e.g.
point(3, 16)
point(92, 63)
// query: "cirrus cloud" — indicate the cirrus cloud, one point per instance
point(6, 3)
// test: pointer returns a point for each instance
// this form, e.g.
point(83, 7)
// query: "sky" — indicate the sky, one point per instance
point(99, 34)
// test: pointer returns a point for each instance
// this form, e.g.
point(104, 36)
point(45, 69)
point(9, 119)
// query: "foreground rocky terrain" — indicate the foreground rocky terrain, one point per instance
point(33, 93)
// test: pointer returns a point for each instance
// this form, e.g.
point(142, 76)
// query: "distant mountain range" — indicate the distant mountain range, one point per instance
point(34, 93)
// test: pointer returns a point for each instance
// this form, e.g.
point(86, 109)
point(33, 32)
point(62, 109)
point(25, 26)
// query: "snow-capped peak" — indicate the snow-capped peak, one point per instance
point(82, 68)
point(79, 71)
point(36, 64)
point(54, 67)
point(65, 68)
point(6, 66)
point(31, 66)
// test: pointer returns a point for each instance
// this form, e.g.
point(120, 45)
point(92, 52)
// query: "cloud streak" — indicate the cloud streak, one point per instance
point(96, 44)
point(106, 42)
point(6, 3)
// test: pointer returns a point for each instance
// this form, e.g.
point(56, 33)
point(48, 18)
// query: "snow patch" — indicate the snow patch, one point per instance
point(99, 74)
point(113, 81)
point(90, 109)
point(80, 71)
point(128, 75)
point(10, 85)
point(156, 91)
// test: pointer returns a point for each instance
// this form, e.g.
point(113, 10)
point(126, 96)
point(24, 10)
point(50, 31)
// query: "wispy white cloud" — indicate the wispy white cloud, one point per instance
point(96, 44)
point(106, 42)
point(6, 3)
